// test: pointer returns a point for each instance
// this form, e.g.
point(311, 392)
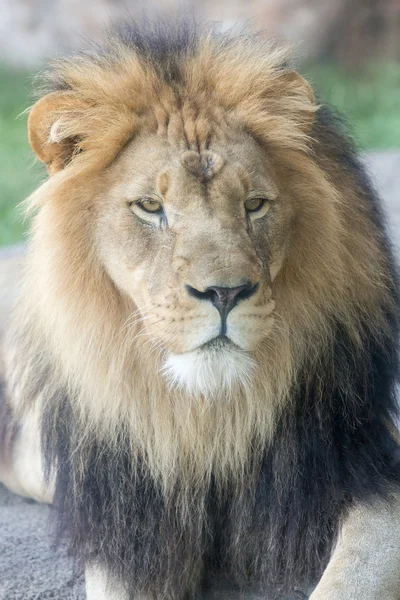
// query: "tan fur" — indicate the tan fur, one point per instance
point(365, 563)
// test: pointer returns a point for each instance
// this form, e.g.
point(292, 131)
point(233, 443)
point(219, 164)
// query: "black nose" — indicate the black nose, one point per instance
point(224, 298)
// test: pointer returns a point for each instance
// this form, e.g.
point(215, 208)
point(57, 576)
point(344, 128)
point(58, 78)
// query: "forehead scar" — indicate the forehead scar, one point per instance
point(203, 165)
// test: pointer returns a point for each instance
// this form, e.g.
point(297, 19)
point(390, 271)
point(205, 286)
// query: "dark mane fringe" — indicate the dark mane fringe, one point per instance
point(331, 135)
point(333, 446)
point(162, 44)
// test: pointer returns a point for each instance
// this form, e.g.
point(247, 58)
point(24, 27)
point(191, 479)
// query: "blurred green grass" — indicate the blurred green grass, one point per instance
point(370, 101)
point(19, 174)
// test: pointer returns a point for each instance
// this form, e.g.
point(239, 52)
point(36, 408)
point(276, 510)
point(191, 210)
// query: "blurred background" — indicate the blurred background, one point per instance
point(348, 49)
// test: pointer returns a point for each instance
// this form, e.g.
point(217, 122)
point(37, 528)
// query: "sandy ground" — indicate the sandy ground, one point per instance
point(30, 567)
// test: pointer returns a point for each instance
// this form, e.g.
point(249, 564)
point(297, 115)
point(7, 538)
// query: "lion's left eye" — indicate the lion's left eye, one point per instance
point(150, 205)
point(254, 204)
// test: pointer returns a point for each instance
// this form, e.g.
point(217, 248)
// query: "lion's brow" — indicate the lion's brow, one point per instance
point(203, 165)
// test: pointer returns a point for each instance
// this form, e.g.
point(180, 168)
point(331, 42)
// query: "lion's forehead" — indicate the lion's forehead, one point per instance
point(150, 163)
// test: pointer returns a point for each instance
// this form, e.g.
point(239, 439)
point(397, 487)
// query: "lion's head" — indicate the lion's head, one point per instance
point(196, 244)
point(193, 237)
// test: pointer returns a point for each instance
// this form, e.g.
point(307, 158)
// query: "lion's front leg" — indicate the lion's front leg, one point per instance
point(21, 463)
point(365, 564)
point(100, 585)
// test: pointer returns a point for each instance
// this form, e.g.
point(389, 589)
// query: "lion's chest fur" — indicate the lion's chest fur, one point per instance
point(273, 524)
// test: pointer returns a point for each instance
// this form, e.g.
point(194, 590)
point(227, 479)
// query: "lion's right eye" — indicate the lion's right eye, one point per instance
point(149, 208)
point(150, 205)
point(254, 204)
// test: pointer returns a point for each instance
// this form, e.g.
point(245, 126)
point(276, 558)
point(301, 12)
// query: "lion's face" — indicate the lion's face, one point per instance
point(195, 239)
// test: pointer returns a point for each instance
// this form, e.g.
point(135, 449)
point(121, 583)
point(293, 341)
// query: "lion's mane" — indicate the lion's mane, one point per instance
point(254, 487)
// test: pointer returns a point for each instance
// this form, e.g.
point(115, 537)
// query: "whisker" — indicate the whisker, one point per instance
point(139, 313)
point(139, 320)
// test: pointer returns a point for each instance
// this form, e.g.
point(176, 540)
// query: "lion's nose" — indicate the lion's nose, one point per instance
point(224, 298)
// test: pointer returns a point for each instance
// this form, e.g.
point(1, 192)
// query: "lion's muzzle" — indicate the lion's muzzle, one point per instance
point(224, 298)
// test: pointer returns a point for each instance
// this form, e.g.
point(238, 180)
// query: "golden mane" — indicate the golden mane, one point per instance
point(104, 98)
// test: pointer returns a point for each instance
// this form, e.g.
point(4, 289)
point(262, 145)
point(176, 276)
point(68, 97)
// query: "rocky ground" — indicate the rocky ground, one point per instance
point(30, 567)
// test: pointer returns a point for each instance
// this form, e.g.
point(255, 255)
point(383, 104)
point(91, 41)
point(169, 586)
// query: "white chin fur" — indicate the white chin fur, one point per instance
point(210, 371)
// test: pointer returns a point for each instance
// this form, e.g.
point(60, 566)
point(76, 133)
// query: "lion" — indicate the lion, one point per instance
point(201, 364)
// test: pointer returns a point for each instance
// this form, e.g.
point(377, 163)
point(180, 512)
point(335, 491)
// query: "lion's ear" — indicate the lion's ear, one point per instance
point(305, 98)
point(51, 131)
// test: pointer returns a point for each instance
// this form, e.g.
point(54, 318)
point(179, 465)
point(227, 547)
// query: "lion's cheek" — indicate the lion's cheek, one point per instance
point(248, 329)
point(183, 330)
point(129, 280)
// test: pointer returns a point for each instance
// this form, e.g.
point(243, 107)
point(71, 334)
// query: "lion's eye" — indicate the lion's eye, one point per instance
point(254, 204)
point(150, 205)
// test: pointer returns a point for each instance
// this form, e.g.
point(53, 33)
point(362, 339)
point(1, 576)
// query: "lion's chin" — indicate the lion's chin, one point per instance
point(212, 370)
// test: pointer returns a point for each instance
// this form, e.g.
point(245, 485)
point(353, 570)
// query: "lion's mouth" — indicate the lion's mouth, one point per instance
point(215, 367)
point(220, 342)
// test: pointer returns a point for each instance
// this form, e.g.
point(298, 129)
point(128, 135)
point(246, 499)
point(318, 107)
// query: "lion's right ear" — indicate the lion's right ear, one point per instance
point(52, 129)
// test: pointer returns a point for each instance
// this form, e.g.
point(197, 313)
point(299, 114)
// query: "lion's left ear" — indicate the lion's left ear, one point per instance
point(52, 128)
point(301, 91)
